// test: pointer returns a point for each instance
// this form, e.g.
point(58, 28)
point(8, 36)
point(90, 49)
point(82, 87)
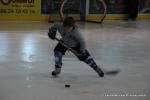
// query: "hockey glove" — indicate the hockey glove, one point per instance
point(52, 33)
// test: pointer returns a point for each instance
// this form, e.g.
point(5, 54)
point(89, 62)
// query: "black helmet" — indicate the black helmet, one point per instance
point(69, 21)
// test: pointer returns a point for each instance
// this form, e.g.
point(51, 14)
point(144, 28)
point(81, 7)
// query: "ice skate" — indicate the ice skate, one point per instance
point(56, 72)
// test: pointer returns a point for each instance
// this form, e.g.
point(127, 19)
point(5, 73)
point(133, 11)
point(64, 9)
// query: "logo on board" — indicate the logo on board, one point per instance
point(7, 2)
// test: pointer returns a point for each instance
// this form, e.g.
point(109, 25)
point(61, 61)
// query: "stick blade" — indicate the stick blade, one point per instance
point(112, 72)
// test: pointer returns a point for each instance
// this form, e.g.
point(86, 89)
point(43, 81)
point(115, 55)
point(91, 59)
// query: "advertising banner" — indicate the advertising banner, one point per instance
point(20, 7)
point(118, 6)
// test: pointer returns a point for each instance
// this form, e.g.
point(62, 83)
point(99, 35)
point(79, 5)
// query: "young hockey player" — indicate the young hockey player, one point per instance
point(73, 39)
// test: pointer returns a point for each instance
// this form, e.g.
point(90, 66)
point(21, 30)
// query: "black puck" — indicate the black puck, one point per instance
point(67, 85)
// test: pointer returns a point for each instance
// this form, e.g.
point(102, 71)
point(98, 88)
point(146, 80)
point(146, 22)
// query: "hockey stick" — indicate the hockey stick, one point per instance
point(107, 72)
point(70, 49)
point(111, 72)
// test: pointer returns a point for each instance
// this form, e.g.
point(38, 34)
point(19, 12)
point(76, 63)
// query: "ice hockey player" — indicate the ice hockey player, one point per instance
point(72, 38)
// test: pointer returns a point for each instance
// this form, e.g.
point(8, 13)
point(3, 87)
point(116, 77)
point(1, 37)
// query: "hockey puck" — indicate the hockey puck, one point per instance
point(67, 85)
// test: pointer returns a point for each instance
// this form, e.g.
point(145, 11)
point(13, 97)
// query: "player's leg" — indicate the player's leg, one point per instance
point(59, 51)
point(85, 57)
